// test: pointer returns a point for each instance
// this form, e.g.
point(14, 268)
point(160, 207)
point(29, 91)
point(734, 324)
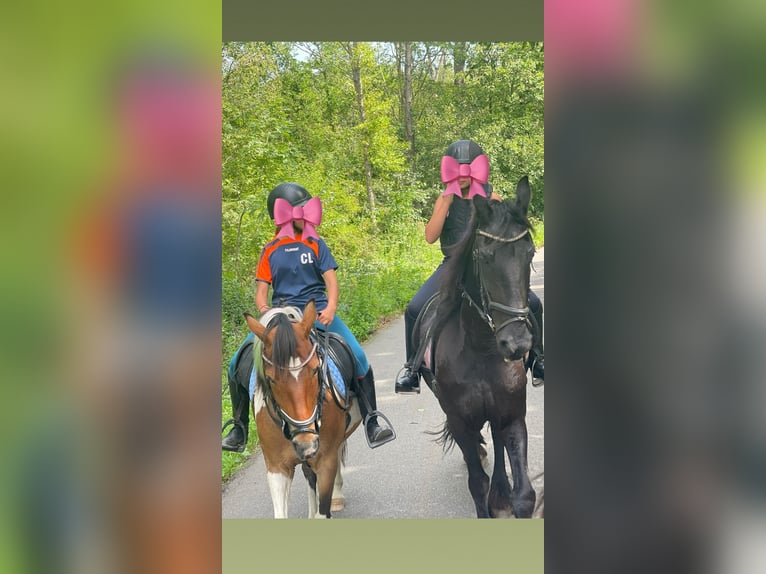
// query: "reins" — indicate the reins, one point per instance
point(280, 417)
point(285, 421)
point(517, 314)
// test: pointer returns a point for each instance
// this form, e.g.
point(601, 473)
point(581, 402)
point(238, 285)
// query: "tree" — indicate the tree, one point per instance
point(354, 54)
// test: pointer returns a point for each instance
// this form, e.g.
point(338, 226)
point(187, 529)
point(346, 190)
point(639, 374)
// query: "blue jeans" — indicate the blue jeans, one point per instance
point(360, 359)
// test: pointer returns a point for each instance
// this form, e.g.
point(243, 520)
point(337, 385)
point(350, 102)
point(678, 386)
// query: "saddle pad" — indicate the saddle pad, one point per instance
point(337, 378)
point(428, 356)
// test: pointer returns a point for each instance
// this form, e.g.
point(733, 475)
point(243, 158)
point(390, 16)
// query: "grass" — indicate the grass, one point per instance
point(233, 461)
point(538, 232)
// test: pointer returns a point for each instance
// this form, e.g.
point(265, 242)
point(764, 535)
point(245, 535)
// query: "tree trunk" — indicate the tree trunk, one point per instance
point(459, 56)
point(239, 237)
point(409, 130)
point(356, 76)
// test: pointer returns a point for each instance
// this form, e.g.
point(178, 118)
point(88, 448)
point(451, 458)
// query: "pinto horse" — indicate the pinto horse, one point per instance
point(300, 418)
point(482, 332)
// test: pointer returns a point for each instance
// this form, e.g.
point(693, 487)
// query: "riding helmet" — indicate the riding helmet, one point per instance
point(292, 192)
point(464, 151)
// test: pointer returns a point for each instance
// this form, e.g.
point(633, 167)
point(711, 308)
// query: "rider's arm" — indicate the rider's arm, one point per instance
point(261, 296)
point(495, 197)
point(328, 313)
point(436, 223)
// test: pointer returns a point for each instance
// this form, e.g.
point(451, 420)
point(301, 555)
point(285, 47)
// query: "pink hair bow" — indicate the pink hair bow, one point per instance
point(310, 214)
point(477, 170)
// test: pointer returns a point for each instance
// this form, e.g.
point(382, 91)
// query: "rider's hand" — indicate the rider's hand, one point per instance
point(327, 315)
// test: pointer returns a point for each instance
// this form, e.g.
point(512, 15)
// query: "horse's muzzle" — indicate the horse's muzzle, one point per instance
point(513, 345)
point(307, 447)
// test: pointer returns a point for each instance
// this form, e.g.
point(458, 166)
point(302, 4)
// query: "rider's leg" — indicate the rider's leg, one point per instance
point(408, 380)
point(538, 355)
point(377, 430)
point(236, 439)
point(361, 365)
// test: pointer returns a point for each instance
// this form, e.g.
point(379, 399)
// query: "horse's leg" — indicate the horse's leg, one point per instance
point(469, 442)
point(338, 500)
point(279, 486)
point(500, 488)
point(326, 471)
point(311, 479)
point(523, 495)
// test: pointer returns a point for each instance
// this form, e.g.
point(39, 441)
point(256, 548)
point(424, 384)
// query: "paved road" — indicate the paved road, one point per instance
point(410, 477)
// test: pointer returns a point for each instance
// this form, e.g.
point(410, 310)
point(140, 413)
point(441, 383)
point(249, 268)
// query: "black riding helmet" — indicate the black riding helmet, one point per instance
point(292, 192)
point(464, 151)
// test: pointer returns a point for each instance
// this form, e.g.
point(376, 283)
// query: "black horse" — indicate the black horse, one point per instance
point(482, 332)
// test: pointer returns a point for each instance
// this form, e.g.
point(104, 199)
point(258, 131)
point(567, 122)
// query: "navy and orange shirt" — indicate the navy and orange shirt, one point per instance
point(294, 268)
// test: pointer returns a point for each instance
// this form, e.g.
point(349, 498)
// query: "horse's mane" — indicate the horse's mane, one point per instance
point(280, 320)
point(451, 284)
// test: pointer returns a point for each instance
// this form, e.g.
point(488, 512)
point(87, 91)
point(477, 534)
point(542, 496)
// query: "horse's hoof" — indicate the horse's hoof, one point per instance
point(501, 513)
point(337, 504)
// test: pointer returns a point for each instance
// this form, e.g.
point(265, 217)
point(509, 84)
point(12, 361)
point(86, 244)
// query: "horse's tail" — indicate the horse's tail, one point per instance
point(444, 437)
point(343, 452)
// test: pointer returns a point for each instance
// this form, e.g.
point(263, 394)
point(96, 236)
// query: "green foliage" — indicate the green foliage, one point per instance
point(291, 112)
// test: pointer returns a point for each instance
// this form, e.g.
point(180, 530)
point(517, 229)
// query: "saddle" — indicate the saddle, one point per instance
point(336, 355)
point(423, 337)
point(426, 340)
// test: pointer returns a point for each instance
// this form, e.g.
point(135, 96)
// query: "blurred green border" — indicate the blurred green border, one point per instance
point(393, 546)
point(447, 20)
point(384, 545)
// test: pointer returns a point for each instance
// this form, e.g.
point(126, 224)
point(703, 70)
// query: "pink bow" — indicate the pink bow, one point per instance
point(310, 214)
point(477, 170)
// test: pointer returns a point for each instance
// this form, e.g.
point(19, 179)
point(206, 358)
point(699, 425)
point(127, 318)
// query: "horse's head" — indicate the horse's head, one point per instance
point(290, 377)
point(502, 254)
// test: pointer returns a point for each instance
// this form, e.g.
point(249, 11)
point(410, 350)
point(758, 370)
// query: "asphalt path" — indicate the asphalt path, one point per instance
point(410, 477)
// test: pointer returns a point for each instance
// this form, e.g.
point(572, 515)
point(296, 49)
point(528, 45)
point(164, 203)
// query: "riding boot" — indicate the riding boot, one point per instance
point(408, 381)
point(376, 426)
point(537, 355)
point(236, 440)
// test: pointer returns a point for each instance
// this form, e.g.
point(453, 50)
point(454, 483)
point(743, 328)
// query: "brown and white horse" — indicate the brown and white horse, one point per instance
point(298, 418)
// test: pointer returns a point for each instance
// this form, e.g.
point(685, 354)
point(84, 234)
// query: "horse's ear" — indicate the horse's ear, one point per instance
point(255, 326)
point(309, 317)
point(523, 194)
point(483, 209)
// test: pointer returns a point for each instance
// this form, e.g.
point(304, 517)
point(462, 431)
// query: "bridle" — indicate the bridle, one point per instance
point(290, 426)
point(515, 314)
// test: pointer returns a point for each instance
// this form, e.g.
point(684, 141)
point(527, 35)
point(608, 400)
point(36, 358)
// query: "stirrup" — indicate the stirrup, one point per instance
point(530, 366)
point(412, 389)
point(367, 436)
